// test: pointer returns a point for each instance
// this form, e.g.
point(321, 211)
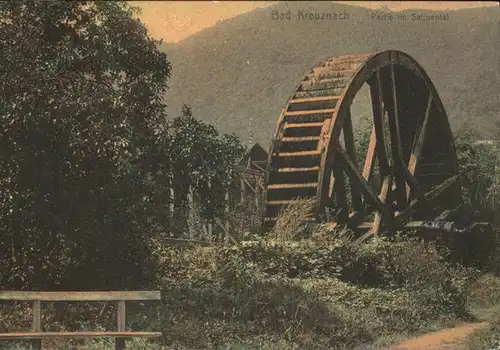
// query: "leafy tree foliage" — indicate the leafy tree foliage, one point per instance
point(87, 156)
point(481, 174)
point(81, 87)
point(202, 161)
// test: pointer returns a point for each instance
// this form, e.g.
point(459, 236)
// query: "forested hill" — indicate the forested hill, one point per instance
point(247, 66)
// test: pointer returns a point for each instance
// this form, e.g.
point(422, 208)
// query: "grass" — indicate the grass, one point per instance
point(485, 302)
point(308, 288)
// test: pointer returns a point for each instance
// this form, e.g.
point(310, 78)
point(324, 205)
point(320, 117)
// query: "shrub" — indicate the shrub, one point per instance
point(317, 292)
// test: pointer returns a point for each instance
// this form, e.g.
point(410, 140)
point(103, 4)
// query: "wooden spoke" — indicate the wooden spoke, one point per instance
point(384, 193)
point(378, 124)
point(419, 139)
point(441, 188)
point(418, 144)
point(370, 156)
point(412, 183)
point(428, 197)
point(340, 194)
point(351, 152)
point(396, 147)
point(331, 187)
point(356, 176)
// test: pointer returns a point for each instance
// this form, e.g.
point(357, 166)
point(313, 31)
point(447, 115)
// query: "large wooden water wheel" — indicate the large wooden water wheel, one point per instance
point(407, 170)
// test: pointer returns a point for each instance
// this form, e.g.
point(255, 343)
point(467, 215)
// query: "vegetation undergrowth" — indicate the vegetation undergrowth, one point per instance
point(314, 291)
point(485, 300)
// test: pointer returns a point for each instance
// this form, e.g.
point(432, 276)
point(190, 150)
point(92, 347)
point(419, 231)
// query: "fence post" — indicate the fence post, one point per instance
point(37, 324)
point(120, 342)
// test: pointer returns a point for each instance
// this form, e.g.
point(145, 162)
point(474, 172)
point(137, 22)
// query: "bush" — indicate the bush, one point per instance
point(317, 292)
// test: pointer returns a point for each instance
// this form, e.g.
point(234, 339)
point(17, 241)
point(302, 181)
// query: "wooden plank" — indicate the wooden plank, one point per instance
point(299, 154)
point(396, 146)
point(44, 335)
point(121, 323)
point(80, 296)
point(314, 99)
point(310, 111)
point(370, 155)
point(226, 231)
point(303, 125)
point(351, 152)
point(302, 185)
point(300, 139)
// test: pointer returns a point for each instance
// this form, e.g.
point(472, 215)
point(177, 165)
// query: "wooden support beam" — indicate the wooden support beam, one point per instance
point(355, 219)
point(443, 186)
point(225, 228)
point(380, 148)
point(378, 124)
point(412, 184)
point(363, 184)
point(357, 203)
point(370, 156)
point(419, 139)
point(384, 193)
point(340, 194)
point(418, 144)
point(249, 186)
point(429, 196)
point(396, 146)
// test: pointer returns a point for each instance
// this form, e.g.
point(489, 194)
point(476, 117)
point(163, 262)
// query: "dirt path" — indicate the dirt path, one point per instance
point(449, 338)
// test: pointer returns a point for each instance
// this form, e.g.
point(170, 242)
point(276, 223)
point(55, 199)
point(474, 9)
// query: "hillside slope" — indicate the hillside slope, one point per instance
point(248, 66)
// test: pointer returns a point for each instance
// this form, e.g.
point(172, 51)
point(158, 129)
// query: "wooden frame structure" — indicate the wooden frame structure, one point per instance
point(411, 149)
point(36, 335)
point(253, 170)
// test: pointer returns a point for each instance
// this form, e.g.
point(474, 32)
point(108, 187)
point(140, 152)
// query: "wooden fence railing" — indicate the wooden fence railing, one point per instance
point(37, 334)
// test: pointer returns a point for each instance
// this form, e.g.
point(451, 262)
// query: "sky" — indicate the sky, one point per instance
point(173, 21)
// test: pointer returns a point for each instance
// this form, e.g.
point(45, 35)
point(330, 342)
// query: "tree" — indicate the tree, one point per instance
point(81, 126)
point(203, 161)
